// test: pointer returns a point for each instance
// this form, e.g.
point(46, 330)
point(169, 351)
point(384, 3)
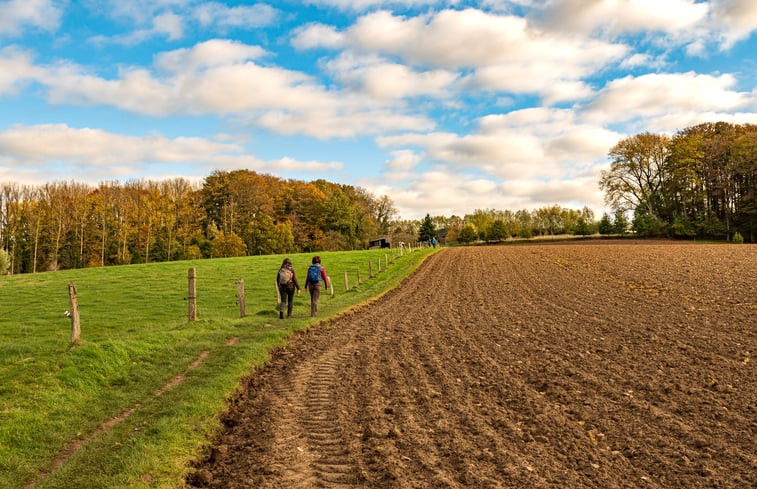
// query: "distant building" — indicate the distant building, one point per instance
point(379, 243)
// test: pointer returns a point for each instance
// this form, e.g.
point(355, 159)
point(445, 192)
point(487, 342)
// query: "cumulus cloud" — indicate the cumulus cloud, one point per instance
point(16, 16)
point(443, 191)
point(220, 78)
point(534, 143)
point(503, 52)
point(98, 148)
point(657, 95)
point(16, 68)
point(94, 154)
point(170, 18)
point(613, 17)
point(360, 5)
point(736, 20)
point(222, 16)
point(380, 78)
point(167, 25)
point(208, 54)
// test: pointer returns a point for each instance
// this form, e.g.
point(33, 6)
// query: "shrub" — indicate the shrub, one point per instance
point(738, 238)
point(683, 228)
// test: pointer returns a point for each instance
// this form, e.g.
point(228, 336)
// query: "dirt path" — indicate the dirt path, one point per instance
point(572, 365)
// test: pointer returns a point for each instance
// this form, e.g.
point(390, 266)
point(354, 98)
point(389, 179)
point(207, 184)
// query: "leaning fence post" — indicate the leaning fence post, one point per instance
point(192, 295)
point(240, 296)
point(74, 313)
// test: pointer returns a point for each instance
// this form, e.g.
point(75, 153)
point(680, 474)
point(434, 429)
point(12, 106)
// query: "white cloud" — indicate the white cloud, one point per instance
point(360, 5)
point(529, 143)
point(289, 164)
point(58, 151)
point(403, 161)
point(615, 17)
point(377, 77)
point(736, 19)
point(167, 24)
point(655, 96)
point(446, 192)
point(16, 68)
point(340, 120)
point(401, 165)
point(504, 52)
point(316, 35)
point(208, 54)
point(18, 15)
point(217, 77)
point(45, 143)
point(222, 16)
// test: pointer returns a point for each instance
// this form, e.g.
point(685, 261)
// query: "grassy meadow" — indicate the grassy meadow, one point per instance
point(100, 414)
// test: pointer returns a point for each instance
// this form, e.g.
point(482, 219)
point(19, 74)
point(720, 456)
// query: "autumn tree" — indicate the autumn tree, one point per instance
point(637, 174)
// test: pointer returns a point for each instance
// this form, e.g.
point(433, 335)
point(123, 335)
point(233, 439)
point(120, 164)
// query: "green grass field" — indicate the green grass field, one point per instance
point(97, 415)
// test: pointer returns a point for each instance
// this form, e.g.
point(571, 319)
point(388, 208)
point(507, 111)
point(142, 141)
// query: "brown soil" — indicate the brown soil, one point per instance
point(604, 365)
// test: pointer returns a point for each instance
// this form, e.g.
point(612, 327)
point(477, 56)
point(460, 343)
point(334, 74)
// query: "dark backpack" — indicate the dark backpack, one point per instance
point(285, 276)
point(314, 274)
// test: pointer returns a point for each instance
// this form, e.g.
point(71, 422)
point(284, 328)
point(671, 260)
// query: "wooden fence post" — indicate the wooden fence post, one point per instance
point(240, 296)
point(379, 265)
point(346, 282)
point(192, 296)
point(386, 260)
point(359, 282)
point(370, 268)
point(74, 313)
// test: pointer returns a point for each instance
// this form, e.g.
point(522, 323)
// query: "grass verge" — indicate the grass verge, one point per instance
point(138, 397)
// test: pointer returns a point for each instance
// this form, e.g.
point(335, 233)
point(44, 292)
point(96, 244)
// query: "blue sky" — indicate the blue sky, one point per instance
point(445, 106)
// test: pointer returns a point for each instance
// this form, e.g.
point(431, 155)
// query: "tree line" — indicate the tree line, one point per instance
point(64, 225)
point(494, 225)
point(701, 182)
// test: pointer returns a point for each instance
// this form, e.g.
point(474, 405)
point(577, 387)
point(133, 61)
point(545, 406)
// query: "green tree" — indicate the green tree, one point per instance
point(605, 225)
point(583, 228)
point(620, 223)
point(497, 231)
point(467, 234)
point(427, 230)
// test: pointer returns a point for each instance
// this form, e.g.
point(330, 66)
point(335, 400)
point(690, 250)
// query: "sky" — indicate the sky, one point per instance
point(445, 106)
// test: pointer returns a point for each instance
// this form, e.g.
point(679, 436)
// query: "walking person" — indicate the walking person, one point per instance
point(287, 280)
point(316, 276)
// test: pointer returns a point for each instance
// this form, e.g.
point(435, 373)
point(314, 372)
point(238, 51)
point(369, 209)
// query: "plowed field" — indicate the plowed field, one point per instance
point(603, 365)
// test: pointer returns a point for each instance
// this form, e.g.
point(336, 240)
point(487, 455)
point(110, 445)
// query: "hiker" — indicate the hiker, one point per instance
point(316, 275)
point(287, 281)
